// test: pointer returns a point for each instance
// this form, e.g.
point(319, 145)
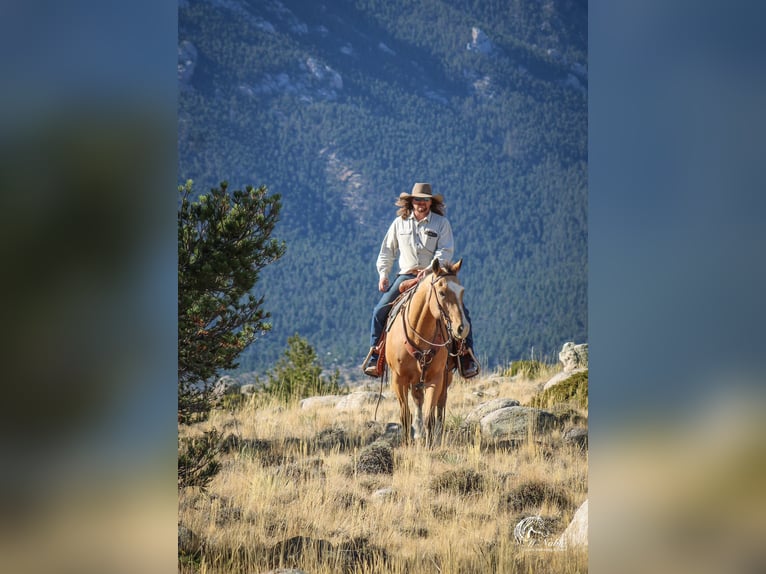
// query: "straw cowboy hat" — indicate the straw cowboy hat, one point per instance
point(422, 190)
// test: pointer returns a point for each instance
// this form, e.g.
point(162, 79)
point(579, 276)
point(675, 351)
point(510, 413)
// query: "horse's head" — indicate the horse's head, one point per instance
point(448, 300)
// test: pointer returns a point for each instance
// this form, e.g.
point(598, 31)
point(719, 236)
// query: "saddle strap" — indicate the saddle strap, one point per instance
point(380, 349)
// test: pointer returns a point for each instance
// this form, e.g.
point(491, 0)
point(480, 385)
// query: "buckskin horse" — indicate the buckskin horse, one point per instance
point(418, 345)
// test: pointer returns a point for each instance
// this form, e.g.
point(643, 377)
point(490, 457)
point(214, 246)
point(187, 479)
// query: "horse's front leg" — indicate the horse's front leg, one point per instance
point(417, 396)
point(441, 404)
point(405, 416)
point(430, 408)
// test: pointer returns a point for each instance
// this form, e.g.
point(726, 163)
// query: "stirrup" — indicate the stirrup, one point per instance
point(367, 369)
point(468, 353)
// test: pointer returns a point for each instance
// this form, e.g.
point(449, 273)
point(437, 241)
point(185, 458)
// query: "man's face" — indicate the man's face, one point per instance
point(421, 207)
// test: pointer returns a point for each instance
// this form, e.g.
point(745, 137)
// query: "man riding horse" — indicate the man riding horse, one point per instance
point(418, 236)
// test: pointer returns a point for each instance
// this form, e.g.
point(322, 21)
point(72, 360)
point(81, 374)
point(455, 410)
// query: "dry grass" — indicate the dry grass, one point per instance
point(301, 488)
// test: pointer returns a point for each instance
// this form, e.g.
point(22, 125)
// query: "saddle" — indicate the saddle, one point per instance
point(406, 290)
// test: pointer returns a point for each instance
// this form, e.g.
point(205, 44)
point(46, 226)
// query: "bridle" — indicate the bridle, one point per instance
point(425, 356)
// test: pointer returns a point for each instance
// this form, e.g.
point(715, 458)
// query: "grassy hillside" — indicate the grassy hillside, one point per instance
point(324, 490)
point(339, 106)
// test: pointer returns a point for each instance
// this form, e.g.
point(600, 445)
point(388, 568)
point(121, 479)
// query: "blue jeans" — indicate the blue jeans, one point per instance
point(380, 312)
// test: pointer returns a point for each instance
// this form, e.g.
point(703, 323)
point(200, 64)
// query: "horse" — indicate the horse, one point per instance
point(418, 347)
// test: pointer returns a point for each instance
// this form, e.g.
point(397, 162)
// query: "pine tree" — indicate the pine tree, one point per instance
point(298, 374)
point(224, 240)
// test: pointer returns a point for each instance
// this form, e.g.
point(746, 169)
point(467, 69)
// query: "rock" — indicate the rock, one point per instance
point(357, 400)
point(392, 434)
point(482, 393)
point(516, 423)
point(574, 356)
point(533, 531)
point(383, 494)
point(323, 401)
point(577, 436)
point(576, 534)
point(324, 73)
point(480, 42)
point(247, 389)
point(561, 377)
point(488, 407)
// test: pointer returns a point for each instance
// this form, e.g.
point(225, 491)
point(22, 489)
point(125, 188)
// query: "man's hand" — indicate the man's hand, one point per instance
point(383, 284)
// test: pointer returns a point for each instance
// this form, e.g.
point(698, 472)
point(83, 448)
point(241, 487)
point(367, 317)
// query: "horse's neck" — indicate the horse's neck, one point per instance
point(420, 319)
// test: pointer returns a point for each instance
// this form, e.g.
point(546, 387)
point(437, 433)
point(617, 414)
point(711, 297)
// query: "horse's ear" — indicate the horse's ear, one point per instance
point(435, 266)
point(456, 266)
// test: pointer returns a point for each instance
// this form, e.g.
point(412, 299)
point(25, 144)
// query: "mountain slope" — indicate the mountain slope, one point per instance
point(340, 106)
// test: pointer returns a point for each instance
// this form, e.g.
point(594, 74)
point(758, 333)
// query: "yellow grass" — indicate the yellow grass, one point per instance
point(254, 503)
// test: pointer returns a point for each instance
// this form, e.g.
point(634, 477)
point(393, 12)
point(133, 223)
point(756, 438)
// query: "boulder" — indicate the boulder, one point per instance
point(576, 534)
point(487, 407)
point(357, 400)
point(574, 356)
point(516, 423)
point(322, 401)
point(577, 436)
point(561, 377)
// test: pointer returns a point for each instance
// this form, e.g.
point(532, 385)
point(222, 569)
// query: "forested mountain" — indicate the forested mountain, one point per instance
point(340, 105)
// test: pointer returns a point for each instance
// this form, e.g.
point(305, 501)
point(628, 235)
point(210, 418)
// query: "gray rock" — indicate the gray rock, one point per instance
point(383, 494)
point(574, 356)
point(323, 401)
point(576, 534)
point(392, 434)
point(561, 377)
point(577, 436)
point(533, 531)
point(516, 423)
point(488, 407)
point(357, 400)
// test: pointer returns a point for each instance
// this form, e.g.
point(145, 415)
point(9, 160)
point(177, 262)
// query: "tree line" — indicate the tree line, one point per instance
point(511, 161)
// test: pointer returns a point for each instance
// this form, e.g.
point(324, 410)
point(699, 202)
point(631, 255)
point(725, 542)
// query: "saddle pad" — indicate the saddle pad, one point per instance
point(397, 306)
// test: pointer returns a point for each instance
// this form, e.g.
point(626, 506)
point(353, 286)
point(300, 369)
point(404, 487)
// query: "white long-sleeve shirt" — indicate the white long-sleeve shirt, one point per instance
point(415, 243)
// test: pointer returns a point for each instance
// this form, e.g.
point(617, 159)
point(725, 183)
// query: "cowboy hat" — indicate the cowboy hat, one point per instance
point(423, 190)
